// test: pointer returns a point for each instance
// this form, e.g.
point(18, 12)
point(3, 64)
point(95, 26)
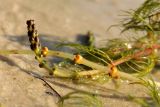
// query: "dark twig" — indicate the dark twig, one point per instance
point(59, 96)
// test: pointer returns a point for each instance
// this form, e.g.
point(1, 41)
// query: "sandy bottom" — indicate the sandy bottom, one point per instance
point(56, 20)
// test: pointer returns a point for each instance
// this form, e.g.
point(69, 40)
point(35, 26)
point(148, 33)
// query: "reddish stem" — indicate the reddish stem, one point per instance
point(144, 52)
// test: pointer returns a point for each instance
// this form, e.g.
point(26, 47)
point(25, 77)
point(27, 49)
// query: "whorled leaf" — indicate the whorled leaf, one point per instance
point(145, 18)
point(153, 92)
point(79, 99)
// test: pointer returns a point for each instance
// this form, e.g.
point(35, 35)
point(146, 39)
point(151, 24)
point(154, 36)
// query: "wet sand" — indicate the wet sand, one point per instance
point(56, 20)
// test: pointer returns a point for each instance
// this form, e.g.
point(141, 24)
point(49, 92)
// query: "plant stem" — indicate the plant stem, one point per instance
point(98, 68)
point(93, 65)
point(88, 73)
point(29, 52)
point(7, 52)
point(59, 72)
point(61, 54)
point(144, 52)
point(58, 54)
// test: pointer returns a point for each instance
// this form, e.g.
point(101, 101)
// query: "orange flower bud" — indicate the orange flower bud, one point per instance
point(77, 58)
point(114, 72)
point(44, 51)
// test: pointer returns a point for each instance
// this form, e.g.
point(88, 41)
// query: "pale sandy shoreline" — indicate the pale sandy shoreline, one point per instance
point(62, 19)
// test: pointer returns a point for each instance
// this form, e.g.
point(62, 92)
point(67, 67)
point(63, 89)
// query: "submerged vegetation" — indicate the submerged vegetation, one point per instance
point(79, 99)
point(132, 59)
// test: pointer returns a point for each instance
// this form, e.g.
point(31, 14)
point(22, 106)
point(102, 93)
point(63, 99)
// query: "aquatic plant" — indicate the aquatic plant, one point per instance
point(131, 60)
